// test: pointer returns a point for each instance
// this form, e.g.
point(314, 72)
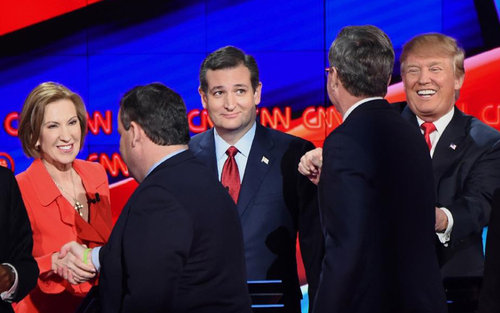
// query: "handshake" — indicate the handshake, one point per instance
point(74, 263)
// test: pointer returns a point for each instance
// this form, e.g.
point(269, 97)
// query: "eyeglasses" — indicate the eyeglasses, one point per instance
point(327, 70)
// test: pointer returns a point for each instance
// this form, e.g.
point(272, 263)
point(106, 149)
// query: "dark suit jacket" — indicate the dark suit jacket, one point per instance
point(275, 202)
point(466, 166)
point(176, 247)
point(489, 300)
point(16, 241)
point(377, 209)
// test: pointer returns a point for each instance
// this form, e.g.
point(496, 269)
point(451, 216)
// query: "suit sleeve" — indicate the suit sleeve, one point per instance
point(157, 240)
point(345, 197)
point(472, 207)
point(490, 288)
point(20, 240)
point(305, 201)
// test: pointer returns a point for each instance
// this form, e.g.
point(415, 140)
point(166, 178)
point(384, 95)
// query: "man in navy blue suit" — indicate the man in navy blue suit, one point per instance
point(274, 202)
point(465, 157)
point(177, 245)
point(375, 191)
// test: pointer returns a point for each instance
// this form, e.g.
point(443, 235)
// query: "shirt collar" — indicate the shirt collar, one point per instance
point(442, 122)
point(168, 156)
point(243, 145)
point(357, 104)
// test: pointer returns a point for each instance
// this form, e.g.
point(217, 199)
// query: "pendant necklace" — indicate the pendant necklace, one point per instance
point(77, 206)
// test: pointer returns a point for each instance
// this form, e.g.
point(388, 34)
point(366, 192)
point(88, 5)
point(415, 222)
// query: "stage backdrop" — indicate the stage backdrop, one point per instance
point(100, 49)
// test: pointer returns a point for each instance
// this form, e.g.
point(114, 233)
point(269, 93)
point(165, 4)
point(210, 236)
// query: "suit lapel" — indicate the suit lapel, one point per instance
point(48, 193)
point(408, 115)
point(451, 144)
point(205, 152)
point(259, 163)
point(98, 230)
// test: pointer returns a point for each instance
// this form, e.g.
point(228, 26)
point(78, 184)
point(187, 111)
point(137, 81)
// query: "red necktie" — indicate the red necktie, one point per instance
point(230, 174)
point(428, 128)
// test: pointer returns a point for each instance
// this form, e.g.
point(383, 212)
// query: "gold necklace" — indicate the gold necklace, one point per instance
point(77, 206)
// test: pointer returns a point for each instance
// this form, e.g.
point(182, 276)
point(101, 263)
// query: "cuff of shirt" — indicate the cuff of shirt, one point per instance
point(444, 238)
point(9, 294)
point(95, 258)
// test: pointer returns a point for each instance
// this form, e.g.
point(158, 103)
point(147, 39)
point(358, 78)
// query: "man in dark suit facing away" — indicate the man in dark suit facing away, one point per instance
point(375, 191)
point(177, 245)
point(18, 268)
point(273, 201)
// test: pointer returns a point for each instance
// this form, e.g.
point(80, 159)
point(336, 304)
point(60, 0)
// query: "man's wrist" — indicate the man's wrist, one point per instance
point(8, 295)
point(11, 274)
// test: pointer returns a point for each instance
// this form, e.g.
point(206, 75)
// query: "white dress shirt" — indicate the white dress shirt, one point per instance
point(357, 104)
point(243, 145)
point(441, 125)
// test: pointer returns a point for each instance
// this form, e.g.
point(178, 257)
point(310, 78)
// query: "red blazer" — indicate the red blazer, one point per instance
point(55, 222)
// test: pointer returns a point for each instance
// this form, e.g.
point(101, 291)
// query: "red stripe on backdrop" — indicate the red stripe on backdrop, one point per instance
point(23, 13)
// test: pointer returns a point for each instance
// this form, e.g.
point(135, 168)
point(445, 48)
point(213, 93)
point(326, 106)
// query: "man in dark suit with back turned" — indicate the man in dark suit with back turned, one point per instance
point(273, 201)
point(18, 269)
point(177, 245)
point(375, 191)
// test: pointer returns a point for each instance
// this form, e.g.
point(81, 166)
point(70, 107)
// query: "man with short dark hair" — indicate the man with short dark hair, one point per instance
point(375, 191)
point(177, 245)
point(257, 166)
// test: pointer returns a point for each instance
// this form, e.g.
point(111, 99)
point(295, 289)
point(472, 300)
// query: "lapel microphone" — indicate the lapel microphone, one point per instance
point(95, 200)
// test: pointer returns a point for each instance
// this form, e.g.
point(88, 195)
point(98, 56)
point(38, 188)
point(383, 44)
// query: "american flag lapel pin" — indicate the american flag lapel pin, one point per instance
point(265, 160)
point(453, 146)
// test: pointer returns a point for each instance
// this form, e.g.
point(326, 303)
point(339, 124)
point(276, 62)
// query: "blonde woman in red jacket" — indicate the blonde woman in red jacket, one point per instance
point(66, 199)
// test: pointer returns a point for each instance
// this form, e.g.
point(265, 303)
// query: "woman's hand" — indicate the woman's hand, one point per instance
point(69, 264)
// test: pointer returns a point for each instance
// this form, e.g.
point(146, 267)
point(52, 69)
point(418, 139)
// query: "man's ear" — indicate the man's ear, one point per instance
point(203, 97)
point(257, 93)
point(334, 78)
point(136, 133)
point(459, 81)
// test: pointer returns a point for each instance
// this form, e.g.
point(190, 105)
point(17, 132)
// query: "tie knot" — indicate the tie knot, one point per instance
point(428, 127)
point(231, 151)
